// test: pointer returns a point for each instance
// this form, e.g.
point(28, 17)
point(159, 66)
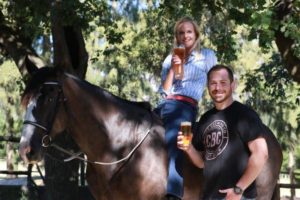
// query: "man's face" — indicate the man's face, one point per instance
point(219, 86)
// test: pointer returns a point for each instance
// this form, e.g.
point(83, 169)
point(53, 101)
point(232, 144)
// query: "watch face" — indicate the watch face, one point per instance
point(237, 190)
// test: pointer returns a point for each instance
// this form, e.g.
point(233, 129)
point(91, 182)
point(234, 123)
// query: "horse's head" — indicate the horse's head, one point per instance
point(42, 98)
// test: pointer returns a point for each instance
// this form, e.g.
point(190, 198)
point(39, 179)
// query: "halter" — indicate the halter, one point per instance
point(46, 140)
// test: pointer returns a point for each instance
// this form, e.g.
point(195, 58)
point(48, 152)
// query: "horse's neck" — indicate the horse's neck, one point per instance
point(86, 93)
point(94, 121)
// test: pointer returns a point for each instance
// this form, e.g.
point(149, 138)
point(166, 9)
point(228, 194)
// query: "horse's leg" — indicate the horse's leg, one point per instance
point(143, 177)
point(97, 186)
point(265, 183)
point(268, 178)
point(154, 182)
point(193, 180)
point(152, 167)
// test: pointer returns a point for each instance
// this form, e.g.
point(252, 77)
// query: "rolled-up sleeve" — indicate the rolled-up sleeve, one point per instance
point(164, 72)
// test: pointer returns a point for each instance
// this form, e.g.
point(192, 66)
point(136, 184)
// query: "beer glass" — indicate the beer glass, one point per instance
point(180, 52)
point(186, 129)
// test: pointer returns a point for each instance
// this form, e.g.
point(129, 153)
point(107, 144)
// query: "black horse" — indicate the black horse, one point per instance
point(122, 140)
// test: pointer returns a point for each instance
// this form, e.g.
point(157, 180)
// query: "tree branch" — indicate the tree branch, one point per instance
point(17, 47)
point(284, 44)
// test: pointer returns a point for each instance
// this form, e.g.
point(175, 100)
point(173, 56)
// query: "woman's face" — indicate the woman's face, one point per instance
point(186, 35)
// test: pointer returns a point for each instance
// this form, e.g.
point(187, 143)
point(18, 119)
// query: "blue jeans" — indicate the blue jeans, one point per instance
point(173, 112)
point(243, 198)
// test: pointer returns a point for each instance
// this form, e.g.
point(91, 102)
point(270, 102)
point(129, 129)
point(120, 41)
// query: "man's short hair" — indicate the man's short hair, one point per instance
point(218, 67)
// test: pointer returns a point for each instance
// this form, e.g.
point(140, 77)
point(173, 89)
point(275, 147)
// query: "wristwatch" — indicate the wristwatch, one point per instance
point(238, 190)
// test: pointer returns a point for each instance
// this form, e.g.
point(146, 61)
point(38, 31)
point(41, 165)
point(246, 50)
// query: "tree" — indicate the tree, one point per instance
point(130, 38)
point(268, 21)
point(69, 53)
point(283, 114)
point(11, 120)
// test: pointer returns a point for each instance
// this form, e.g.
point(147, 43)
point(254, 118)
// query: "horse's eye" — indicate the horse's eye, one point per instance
point(51, 90)
point(42, 91)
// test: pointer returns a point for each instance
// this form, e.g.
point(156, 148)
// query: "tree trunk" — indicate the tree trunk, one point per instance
point(9, 146)
point(291, 167)
point(9, 161)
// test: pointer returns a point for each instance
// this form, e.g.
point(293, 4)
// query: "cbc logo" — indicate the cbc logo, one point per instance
point(215, 139)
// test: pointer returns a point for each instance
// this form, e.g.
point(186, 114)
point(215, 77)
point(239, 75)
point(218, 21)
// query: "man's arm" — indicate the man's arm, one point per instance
point(194, 155)
point(257, 159)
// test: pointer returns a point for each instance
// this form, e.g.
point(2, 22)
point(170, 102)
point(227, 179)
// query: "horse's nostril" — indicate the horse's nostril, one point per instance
point(27, 150)
point(24, 152)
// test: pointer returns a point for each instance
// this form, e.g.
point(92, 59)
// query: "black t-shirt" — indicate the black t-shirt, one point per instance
point(222, 136)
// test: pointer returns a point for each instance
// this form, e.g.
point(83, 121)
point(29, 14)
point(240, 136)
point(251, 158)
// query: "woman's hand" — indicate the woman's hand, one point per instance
point(175, 61)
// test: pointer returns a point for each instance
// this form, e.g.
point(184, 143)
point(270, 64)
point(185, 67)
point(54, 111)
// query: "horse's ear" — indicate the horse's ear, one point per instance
point(30, 66)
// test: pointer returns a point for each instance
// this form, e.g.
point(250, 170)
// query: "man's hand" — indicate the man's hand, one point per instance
point(180, 143)
point(189, 149)
point(230, 194)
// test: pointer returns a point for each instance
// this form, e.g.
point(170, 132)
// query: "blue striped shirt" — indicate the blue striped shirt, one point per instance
point(195, 72)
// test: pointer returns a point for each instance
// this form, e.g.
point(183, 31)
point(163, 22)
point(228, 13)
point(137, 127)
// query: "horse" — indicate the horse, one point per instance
point(123, 140)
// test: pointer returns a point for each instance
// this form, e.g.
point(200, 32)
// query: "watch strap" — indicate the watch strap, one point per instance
point(237, 190)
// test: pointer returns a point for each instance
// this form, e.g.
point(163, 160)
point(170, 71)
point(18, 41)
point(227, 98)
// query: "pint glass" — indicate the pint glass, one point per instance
point(180, 52)
point(186, 129)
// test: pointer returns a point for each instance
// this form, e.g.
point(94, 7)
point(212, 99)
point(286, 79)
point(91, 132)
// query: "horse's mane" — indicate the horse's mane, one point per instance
point(96, 89)
point(49, 73)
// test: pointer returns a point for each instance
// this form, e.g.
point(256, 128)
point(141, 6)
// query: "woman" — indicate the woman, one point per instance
point(181, 96)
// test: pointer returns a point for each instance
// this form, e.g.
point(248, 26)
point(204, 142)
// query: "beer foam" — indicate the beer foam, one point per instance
point(186, 124)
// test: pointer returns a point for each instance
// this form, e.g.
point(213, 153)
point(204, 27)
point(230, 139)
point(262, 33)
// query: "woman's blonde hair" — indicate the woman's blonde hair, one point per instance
point(196, 29)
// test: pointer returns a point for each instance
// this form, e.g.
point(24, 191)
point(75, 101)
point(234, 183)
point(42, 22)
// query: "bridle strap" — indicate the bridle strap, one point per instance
point(36, 125)
point(52, 83)
point(46, 140)
point(126, 158)
point(77, 155)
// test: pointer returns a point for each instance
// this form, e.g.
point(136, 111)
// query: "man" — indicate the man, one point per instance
point(229, 137)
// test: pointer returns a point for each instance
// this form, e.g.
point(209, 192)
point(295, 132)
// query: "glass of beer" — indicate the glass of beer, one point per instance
point(186, 129)
point(180, 52)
